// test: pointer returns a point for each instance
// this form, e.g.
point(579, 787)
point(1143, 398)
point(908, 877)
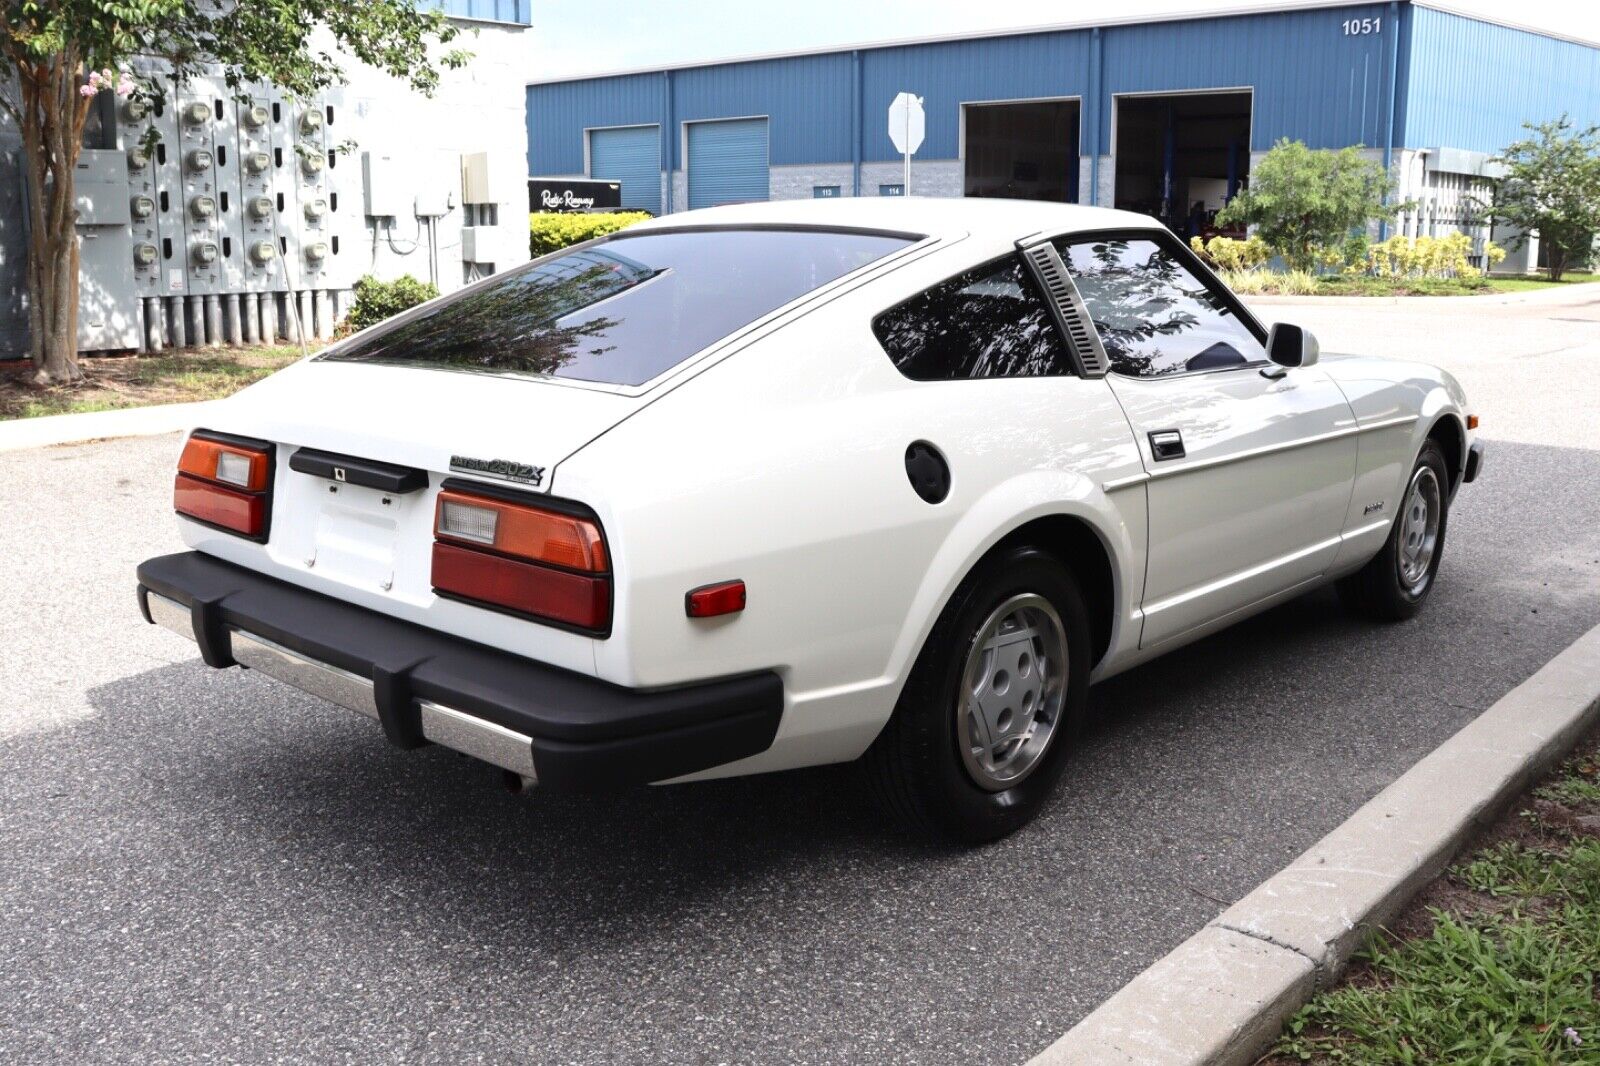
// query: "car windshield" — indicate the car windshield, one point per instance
point(625, 310)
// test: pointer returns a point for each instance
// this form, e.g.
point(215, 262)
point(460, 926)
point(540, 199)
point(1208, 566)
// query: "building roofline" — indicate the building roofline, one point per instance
point(1284, 6)
point(1509, 24)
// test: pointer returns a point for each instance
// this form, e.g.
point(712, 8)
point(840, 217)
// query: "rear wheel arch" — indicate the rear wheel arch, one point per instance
point(1078, 546)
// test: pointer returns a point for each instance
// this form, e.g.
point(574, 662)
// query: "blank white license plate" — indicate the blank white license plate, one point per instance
point(356, 534)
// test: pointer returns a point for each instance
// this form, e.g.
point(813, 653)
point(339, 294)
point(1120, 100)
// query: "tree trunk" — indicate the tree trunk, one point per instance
point(1557, 262)
point(53, 113)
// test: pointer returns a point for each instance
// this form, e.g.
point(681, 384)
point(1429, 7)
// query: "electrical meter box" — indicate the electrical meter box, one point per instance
point(311, 164)
point(135, 139)
point(382, 190)
point(165, 169)
point(344, 224)
point(478, 182)
point(108, 305)
point(201, 247)
point(258, 209)
point(285, 186)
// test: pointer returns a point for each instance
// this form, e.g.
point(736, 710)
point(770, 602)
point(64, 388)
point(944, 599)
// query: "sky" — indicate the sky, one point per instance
point(574, 37)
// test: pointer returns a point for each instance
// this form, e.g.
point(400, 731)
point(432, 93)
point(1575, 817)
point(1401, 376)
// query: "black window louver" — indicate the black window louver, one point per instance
point(1067, 307)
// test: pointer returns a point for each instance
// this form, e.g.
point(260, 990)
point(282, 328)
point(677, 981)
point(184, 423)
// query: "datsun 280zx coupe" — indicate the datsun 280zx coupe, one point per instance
point(776, 485)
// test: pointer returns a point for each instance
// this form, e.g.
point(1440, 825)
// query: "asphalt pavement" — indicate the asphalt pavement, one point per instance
point(204, 865)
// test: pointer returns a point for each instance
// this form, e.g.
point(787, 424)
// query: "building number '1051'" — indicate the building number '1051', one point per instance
point(1362, 27)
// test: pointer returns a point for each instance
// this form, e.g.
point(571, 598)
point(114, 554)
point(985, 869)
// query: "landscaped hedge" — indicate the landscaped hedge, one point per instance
point(549, 232)
point(377, 300)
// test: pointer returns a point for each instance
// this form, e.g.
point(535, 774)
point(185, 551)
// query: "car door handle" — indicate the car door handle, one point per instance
point(1166, 444)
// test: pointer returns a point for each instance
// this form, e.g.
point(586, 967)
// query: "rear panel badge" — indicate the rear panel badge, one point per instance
point(504, 469)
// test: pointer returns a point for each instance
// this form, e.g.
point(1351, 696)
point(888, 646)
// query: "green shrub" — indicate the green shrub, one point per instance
point(1303, 202)
point(550, 232)
point(1262, 282)
point(1226, 253)
point(377, 300)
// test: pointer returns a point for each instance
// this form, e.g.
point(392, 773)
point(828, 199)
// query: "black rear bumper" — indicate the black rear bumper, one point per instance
point(585, 734)
point(1474, 463)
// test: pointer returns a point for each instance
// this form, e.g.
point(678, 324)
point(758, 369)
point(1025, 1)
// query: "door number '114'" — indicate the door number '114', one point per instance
point(1362, 27)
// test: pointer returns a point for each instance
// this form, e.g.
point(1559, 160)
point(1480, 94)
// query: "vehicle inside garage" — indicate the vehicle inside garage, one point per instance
point(1024, 150)
point(1180, 157)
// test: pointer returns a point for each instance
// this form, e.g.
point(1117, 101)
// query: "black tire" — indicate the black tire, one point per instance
point(916, 767)
point(1378, 590)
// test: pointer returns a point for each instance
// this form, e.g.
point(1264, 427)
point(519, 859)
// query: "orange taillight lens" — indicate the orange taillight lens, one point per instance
point(228, 464)
point(225, 483)
point(523, 530)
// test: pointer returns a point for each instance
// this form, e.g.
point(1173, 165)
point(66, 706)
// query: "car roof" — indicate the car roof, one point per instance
point(943, 217)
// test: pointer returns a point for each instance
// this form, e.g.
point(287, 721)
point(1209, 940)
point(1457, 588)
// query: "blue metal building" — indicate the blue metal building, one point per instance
point(1164, 116)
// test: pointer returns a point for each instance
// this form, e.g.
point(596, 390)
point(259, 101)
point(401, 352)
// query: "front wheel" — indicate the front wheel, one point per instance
point(1395, 583)
point(996, 698)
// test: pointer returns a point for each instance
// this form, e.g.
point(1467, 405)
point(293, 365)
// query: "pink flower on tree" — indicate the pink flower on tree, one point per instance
point(120, 82)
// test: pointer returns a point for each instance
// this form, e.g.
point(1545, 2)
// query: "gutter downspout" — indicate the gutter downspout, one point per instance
point(668, 141)
point(855, 123)
point(1392, 91)
point(1096, 69)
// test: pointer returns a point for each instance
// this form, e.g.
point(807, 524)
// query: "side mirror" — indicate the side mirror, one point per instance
point(1292, 346)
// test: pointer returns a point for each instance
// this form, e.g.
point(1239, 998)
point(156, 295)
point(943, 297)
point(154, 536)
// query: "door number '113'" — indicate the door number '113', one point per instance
point(1362, 27)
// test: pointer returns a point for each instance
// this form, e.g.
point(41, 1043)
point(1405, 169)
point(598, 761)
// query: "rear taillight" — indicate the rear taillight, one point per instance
point(542, 559)
point(225, 482)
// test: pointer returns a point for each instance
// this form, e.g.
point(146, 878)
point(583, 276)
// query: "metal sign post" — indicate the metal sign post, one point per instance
point(907, 125)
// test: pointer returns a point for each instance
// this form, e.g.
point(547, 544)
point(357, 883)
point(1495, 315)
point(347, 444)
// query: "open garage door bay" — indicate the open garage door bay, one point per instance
point(1021, 149)
point(1181, 156)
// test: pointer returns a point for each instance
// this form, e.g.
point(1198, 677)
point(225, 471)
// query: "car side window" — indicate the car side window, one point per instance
point(989, 322)
point(1154, 316)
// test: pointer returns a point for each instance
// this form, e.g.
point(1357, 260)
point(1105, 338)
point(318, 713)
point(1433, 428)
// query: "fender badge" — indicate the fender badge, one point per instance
point(504, 469)
point(1373, 507)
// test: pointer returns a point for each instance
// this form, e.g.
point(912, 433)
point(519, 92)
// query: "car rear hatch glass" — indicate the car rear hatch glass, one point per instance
point(624, 310)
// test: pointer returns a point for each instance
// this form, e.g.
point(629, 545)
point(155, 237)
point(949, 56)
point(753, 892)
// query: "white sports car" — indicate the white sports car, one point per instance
point(777, 485)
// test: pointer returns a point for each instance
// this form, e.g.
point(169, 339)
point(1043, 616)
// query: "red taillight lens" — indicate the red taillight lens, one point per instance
point(224, 483)
point(241, 512)
point(523, 557)
point(577, 600)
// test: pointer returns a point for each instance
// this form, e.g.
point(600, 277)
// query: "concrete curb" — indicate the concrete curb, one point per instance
point(1579, 293)
point(1221, 996)
point(132, 422)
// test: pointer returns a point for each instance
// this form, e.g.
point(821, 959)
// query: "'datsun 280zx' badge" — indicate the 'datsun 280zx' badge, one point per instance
point(504, 469)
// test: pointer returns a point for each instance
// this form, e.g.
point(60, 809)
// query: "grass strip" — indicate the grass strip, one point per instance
point(1494, 964)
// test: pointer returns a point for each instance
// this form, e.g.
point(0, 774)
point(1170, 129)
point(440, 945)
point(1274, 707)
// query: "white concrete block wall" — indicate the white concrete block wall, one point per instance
point(1107, 193)
point(478, 108)
point(929, 177)
point(800, 182)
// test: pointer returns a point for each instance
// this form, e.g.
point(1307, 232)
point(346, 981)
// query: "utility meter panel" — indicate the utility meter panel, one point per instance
point(344, 220)
point(166, 165)
point(257, 255)
point(285, 189)
point(135, 121)
point(225, 177)
point(313, 186)
point(108, 307)
point(196, 152)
